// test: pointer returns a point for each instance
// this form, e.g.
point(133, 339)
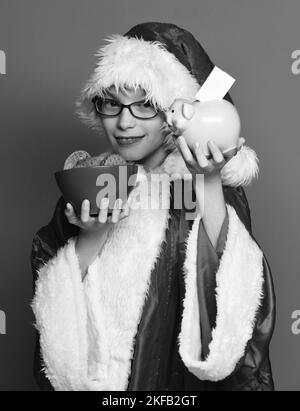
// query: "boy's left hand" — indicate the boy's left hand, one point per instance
point(196, 161)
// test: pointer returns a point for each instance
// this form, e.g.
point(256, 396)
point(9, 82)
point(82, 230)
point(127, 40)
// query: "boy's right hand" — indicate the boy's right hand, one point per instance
point(102, 221)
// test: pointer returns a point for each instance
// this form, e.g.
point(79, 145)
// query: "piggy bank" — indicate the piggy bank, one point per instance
point(216, 120)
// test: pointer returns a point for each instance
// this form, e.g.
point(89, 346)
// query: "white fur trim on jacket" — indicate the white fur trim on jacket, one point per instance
point(134, 62)
point(61, 319)
point(238, 295)
point(87, 329)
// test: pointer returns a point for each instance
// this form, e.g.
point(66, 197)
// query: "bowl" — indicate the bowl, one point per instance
point(95, 183)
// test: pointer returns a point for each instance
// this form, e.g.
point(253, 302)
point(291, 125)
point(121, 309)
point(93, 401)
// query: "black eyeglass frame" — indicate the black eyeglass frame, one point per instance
point(122, 106)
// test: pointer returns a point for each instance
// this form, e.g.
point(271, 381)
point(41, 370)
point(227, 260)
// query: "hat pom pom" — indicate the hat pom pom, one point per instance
point(241, 169)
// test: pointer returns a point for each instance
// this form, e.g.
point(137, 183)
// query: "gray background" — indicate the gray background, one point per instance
point(50, 47)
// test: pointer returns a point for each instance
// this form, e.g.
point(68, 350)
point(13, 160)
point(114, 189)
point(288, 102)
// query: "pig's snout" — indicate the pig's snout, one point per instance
point(172, 121)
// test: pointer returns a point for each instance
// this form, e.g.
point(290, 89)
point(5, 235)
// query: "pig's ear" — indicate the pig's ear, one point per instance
point(188, 110)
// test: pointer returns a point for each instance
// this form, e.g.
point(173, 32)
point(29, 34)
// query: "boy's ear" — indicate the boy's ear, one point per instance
point(188, 110)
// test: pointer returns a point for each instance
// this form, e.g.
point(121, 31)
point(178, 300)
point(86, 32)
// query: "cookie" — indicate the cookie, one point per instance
point(82, 158)
point(74, 158)
point(114, 160)
point(90, 162)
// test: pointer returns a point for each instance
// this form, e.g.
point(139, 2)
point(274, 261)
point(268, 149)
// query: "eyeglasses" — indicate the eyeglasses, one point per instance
point(112, 108)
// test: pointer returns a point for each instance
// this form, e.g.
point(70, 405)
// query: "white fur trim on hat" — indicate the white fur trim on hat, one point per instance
point(134, 62)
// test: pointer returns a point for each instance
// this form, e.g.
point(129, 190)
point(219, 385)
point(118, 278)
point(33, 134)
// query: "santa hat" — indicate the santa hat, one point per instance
point(168, 63)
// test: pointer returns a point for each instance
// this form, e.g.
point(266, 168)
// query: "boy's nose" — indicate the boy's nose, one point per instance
point(126, 119)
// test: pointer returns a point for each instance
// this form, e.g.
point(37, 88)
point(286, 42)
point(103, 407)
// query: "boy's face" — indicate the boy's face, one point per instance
point(126, 126)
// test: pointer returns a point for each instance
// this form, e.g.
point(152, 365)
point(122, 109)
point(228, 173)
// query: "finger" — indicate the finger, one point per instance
point(216, 152)
point(241, 142)
point(69, 209)
point(85, 211)
point(125, 211)
point(116, 210)
point(102, 216)
point(201, 158)
point(69, 212)
point(185, 151)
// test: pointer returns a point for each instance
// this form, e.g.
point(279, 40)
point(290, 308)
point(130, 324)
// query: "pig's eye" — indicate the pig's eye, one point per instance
point(173, 111)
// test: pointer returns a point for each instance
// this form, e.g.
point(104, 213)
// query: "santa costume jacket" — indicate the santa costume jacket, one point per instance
point(160, 308)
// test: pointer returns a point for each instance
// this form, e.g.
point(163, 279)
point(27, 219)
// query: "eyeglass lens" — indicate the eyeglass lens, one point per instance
point(111, 107)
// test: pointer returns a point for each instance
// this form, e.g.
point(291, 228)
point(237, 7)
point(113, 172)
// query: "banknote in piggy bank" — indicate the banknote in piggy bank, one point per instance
point(196, 121)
